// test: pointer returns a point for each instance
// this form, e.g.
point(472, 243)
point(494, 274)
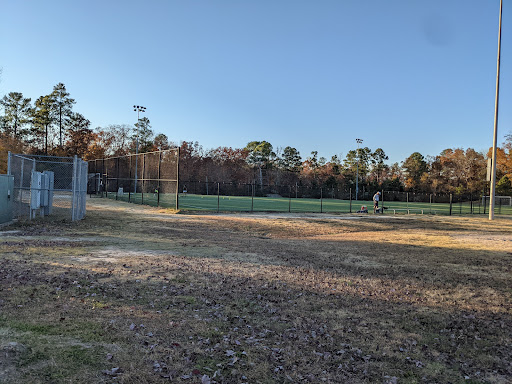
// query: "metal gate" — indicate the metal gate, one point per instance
point(48, 186)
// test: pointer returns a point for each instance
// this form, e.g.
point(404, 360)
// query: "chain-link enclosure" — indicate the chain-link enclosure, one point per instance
point(152, 179)
point(147, 178)
point(48, 185)
point(253, 197)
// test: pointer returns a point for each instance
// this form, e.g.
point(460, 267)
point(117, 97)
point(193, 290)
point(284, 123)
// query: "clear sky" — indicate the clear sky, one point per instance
point(403, 75)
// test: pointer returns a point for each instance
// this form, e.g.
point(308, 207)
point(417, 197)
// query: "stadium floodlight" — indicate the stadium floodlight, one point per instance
point(495, 135)
point(358, 141)
point(138, 109)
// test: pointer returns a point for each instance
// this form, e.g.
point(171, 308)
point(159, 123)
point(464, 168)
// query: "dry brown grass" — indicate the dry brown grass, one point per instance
point(256, 299)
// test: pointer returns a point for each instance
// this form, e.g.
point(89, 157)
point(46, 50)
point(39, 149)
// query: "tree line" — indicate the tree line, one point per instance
point(50, 126)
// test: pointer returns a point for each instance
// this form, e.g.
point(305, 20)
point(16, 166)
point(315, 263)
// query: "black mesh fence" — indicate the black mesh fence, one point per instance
point(153, 179)
point(223, 196)
point(146, 178)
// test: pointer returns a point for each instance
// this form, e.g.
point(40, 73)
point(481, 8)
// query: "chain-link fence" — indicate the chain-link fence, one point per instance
point(254, 197)
point(48, 185)
point(444, 203)
point(147, 178)
point(152, 179)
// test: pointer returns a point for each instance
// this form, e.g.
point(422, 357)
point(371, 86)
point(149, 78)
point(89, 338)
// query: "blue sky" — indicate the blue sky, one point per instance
point(403, 75)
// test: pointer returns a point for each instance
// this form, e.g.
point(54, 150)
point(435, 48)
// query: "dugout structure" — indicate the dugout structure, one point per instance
point(48, 186)
point(146, 178)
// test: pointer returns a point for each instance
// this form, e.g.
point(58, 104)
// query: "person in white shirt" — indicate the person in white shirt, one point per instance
point(376, 198)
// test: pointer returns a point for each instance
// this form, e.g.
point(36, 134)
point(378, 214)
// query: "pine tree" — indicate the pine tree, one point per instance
point(17, 113)
point(43, 118)
point(63, 105)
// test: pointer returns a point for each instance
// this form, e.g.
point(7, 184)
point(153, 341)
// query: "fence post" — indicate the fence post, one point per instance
point(95, 187)
point(460, 205)
point(471, 202)
point(73, 186)
point(430, 198)
point(499, 206)
point(104, 173)
point(350, 198)
point(290, 200)
point(143, 174)
point(252, 196)
point(218, 197)
point(177, 177)
point(158, 185)
point(451, 201)
point(382, 201)
point(130, 180)
point(321, 201)
point(21, 187)
point(407, 197)
point(117, 178)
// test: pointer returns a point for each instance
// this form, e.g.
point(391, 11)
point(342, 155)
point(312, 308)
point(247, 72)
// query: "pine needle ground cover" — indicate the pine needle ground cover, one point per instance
point(134, 294)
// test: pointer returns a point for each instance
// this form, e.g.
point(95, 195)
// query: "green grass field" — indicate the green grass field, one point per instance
point(190, 202)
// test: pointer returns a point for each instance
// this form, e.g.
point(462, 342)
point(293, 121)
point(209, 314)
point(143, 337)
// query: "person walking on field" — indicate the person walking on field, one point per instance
point(376, 198)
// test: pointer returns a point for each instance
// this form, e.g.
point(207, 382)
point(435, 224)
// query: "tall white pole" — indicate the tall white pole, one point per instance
point(495, 136)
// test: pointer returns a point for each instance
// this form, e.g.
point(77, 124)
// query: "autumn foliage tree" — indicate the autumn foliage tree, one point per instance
point(51, 126)
point(80, 135)
point(462, 171)
point(414, 167)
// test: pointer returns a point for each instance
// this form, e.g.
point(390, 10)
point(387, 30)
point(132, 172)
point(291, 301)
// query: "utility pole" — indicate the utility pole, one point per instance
point(492, 193)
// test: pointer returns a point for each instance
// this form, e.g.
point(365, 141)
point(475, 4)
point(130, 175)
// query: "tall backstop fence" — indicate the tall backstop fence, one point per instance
point(48, 185)
point(146, 178)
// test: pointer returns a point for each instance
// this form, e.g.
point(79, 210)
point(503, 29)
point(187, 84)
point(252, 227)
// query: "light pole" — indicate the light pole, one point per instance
point(138, 109)
point(492, 192)
point(358, 141)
